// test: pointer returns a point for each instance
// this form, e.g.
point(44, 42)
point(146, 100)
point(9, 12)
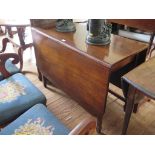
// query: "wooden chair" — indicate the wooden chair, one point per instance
point(141, 79)
point(17, 93)
point(11, 68)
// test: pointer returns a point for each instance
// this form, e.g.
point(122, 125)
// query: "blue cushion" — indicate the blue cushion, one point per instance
point(11, 68)
point(36, 121)
point(17, 94)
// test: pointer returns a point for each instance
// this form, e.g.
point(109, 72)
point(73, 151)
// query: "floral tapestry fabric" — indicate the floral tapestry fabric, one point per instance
point(34, 127)
point(10, 91)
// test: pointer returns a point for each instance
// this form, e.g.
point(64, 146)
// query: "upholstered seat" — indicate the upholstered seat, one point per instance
point(17, 94)
point(36, 121)
point(12, 69)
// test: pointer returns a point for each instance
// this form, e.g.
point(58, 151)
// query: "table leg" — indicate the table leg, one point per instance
point(10, 33)
point(1, 31)
point(99, 124)
point(149, 51)
point(129, 108)
point(20, 53)
point(21, 35)
point(4, 44)
point(20, 31)
point(44, 81)
point(39, 74)
point(150, 55)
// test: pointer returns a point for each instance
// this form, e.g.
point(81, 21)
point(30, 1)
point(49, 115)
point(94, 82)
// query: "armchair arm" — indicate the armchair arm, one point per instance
point(87, 126)
point(3, 58)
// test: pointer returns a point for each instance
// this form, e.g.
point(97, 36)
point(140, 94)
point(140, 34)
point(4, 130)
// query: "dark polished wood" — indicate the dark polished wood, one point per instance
point(3, 58)
point(85, 127)
point(129, 108)
point(142, 24)
point(84, 71)
point(141, 79)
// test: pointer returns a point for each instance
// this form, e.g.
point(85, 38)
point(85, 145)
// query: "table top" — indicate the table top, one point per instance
point(119, 49)
point(142, 24)
point(143, 78)
point(14, 22)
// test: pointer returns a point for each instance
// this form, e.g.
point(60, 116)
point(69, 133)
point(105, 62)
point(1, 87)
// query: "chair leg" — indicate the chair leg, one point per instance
point(135, 108)
point(139, 100)
point(129, 108)
point(124, 107)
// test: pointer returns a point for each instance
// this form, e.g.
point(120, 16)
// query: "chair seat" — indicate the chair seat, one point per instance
point(11, 69)
point(17, 94)
point(36, 121)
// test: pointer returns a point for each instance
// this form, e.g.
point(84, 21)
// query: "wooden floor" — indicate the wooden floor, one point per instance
point(71, 113)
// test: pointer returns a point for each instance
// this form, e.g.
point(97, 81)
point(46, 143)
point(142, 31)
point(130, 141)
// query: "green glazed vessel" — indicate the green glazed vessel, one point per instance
point(65, 25)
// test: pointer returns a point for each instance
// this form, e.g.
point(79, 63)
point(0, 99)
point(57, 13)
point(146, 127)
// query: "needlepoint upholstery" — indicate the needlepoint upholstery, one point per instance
point(36, 121)
point(17, 94)
point(11, 68)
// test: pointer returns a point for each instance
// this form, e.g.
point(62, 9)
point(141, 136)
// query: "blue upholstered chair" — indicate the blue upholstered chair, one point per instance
point(39, 121)
point(11, 68)
point(17, 93)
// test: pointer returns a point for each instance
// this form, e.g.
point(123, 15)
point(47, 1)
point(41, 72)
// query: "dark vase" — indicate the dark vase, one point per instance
point(65, 25)
point(98, 32)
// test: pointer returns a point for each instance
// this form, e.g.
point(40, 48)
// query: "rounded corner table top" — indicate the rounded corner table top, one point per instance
point(119, 48)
